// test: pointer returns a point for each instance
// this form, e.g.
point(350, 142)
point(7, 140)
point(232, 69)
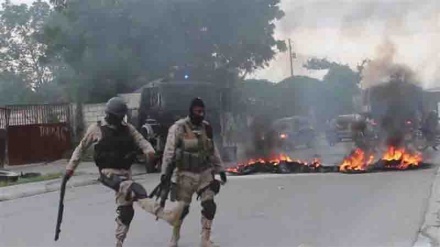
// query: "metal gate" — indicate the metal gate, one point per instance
point(37, 133)
point(3, 120)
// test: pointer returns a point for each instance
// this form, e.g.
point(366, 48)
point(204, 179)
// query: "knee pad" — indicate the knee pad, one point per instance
point(138, 190)
point(185, 212)
point(125, 214)
point(209, 208)
point(112, 181)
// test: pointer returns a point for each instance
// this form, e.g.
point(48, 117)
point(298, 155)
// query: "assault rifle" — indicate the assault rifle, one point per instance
point(163, 188)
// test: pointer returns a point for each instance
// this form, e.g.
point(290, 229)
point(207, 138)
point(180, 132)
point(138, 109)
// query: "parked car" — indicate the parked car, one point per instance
point(294, 131)
point(341, 128)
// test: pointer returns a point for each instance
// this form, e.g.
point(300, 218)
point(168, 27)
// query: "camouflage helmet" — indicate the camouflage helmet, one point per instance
point(117, 107)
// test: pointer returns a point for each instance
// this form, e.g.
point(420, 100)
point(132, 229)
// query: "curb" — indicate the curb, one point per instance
point(42, 188)
point(39, 188)
point(429, 233)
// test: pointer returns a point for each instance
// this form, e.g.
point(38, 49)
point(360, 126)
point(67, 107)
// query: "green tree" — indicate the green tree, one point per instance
point(257, 97)
point(299, 95)
point(22, 51)
point(340, 85)
point(111, 44)
point(14, 89)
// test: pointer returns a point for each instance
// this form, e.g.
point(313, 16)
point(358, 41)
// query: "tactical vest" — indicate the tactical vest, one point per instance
point(194, 149)
point(115, 149)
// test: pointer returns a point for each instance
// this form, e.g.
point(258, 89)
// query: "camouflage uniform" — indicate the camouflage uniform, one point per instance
point(119, 177)
point(197, 160)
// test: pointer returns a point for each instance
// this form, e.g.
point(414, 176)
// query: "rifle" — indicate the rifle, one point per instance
point(163, 188)
point(61, 207)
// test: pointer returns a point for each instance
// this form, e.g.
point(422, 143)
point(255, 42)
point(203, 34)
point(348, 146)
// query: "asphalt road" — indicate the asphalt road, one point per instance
point(377, 209)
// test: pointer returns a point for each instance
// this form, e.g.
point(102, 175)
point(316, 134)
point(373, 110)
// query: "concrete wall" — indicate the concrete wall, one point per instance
point(133, 102)
point(93, 113)
point(133, 99)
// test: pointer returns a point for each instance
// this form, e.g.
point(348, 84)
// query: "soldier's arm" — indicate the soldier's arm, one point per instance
point(140, 141)
point(91, 136)
point(170, 148)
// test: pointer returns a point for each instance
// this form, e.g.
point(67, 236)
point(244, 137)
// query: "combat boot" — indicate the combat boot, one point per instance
point(206, 233)
point(119, 243)
point(170, 216)
point(175, 235)
point(121, 232)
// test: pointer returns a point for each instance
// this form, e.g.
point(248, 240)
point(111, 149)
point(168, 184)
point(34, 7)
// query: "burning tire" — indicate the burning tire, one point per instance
point(304, 169)
point(358, 161)
point(328, 169)
point(284, 168)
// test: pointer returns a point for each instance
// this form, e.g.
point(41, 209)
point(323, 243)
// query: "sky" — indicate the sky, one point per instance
point(349, 31)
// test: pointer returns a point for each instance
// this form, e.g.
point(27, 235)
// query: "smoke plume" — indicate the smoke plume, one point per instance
point(394, 93)
point(348, 32)
point(383, 68)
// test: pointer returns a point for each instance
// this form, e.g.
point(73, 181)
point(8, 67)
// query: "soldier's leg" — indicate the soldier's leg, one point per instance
point(209, 209)
point(209, 188)
point(186, 187)
point(123, 220)
point(125, 211)
point(151, 206)
point(136, 192)
point(175, 236)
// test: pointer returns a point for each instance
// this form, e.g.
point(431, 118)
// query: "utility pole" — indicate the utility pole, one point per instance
point(292, 55)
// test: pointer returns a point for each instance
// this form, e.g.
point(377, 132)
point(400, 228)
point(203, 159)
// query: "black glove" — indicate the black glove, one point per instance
point(223, 177)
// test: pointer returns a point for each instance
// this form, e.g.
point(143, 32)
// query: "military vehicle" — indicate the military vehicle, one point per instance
point(166, 101)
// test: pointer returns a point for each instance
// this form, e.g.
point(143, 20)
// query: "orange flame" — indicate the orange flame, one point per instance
point(280, 158)
point(357, 161)
point(400, 154)
point(274, 160)
point(316, 162)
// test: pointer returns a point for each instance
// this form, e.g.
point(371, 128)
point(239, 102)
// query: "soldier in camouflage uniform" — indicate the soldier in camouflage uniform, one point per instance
point(190, 144)
point(115, 145)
